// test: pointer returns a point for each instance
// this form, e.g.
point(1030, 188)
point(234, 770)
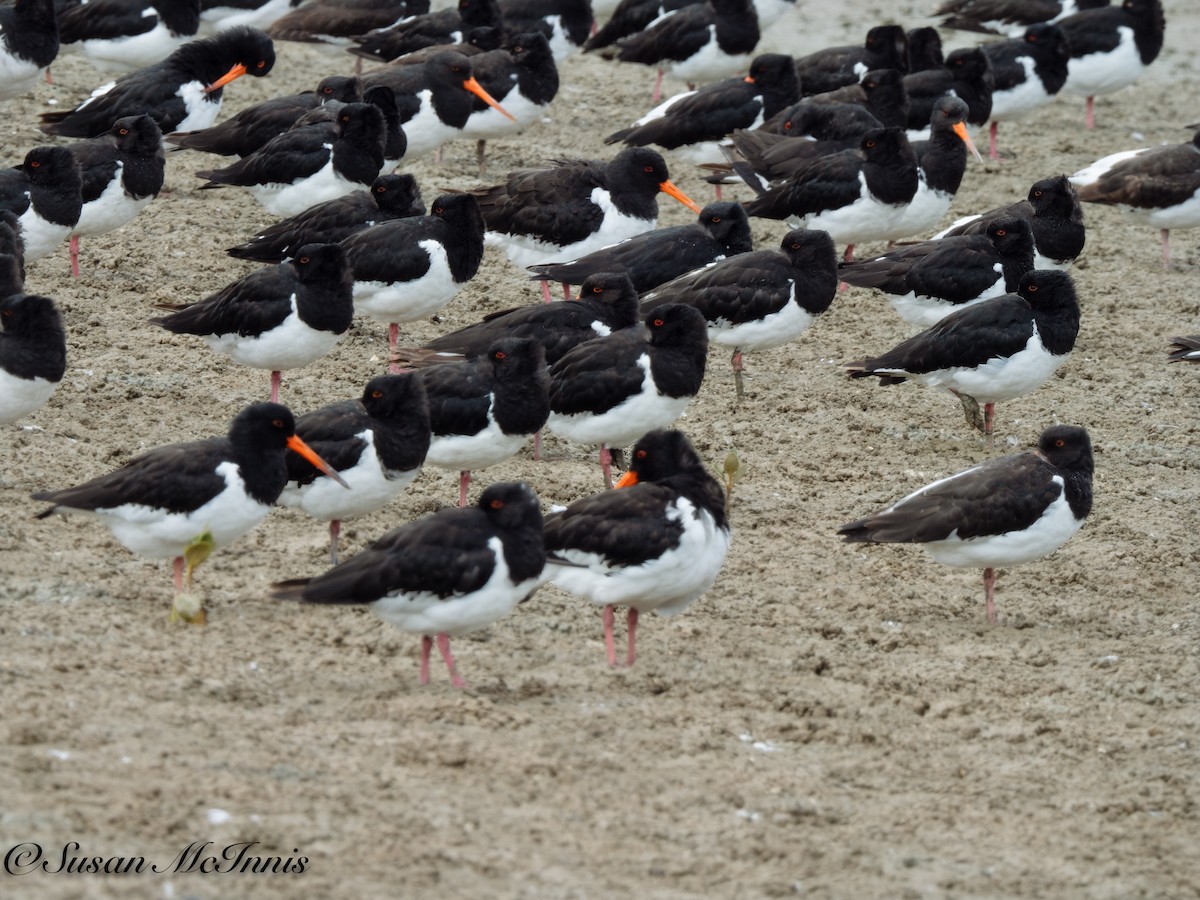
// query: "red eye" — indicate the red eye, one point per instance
point(1032, 288)
point(597, 290)
point(641, 454)
point(499, 354)
point(870, 143)
point(497, 504)
point(438, 210)
point(303, 260)
point(124, 131)
point(715, 219)
point(381, 190)
point(1060, 443)
point(260, 64)
point(1000, 232)
point(658, 323)
point(376, 394)
point(8, 312)
point(648, 169)
point(34, 165)
point(278, 423)
point(1037, 193)
point(788, 125)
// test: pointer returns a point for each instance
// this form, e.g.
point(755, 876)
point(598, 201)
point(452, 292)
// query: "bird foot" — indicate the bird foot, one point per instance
point(973, 412)
point(189, 607)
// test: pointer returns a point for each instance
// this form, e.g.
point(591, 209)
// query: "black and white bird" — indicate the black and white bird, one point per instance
point(181, 93)
point(340, 21)
point(278, 317)
point(1185, 349)
point(215, 489)
point(854, 195)
point(221, 15)
point(1054, 214)
point(45, 193)
point(692, 123)
point(377, 444)
point(612, 390)
point(655, 257)
point(565, 23)
point(407, 269)
point(482, 411)
point(28, 44)
point(760, 299)
point(389, 197)
point(1156, 186)
point(1111, 48)
point(698, 43)
point(123, 35)
point(993, 351)
point(310, 164)
point(885, 47)
point(33, 347)
point(607, 302)
point(446, 25)
point(575, 206)
point(931, 279)
point(1008, 17)
point(655, 545)
point(1004, 512)
point(444, 575)
point(121, 173)
point(967, 75)
point(1027, 73)
point(11, 244)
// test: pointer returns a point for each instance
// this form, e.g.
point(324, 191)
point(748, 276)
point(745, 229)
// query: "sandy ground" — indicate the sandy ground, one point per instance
point(828, 721)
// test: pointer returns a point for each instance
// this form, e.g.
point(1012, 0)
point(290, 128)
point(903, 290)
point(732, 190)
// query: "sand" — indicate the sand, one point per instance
point(828, 721)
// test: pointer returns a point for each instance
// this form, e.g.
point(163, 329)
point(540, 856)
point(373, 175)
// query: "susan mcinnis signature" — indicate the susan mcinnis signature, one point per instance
point(198, 857)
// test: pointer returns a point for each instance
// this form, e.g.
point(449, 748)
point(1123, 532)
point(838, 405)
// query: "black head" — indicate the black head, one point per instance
point(530, 48)
point(1040, 287)
point(969, 64)
point(11, 242)
point(22, 314)
point(616, 291)
point(248, 46)
point(263, 425)
point(1049, 40)
point(924, 49)
point(1010, 234)
point(460, 210)
point(516, 358)
point(389, 396)
point(772, 68)
point(321, 263)
point(675, 324)
point(361, 120)
point(1056, 194)
point(51, 165)
point(138, 135)
point(885, 143)
point(342, 88)
point(449, 67)
point(663, 453)
point(882, 81)
point(511, 505)
point(485, 38)
point(889, 43)
point(807, 248)
point(12, 274)
point(1067, 447)
point(948, 112)
point(384, 99)
point(728, 224)
point(640, 168)
point(398, 194)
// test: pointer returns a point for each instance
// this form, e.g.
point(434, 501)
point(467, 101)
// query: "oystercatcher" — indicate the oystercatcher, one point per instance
point(123, 35)
point(434, 99)
point(390, 197)
point(1003, 512)
point(216, 489)
point(927, 281)
point(1053, 212)
point(612, 390)
point(250, 129)
point(924, 50)
point(761, 299)
point(1185, 349)
point(655, 257)
point(692, 123)
point(45, 194)
point(631, 16)
point(280, 317)
point(11, 244)
point(997, 350)
point(28, 44)
point(33, 346)
point(885, 47)
point(575, 206)
point(377, 444)
point(444, 575)
point(416, 32)
point(607, 302)
point(407, 269)
point(221, 15)
point(310, 164)
point(183, 92)
point(121, 172)
point(565, 23)
point(1110, 48)
point(483, 411)
point(966, 75)
point(701, 42)
point(855, 195)
point(1008, 17)
point(1157, 186)
point(656, 544)
point(1027, 73)
point(338, 23)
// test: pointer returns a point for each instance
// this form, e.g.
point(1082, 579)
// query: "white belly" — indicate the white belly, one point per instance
point(1051, 531)
point(407, 301)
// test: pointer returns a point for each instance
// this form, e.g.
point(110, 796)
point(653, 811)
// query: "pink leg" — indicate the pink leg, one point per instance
point(49, 78)
point(989, 592)
point(631, 620)
point(464, 478)
point(537, 446)
point(606, 466)
point(566, 291)
point(609, 643)
point(717, 191)
point(393, 339)
point(993, 153)
point(276, 378)
point(73, 243)
point(335, 528)
point(546, 291)
point(1165, 234)
point(426, 646)
point(989, 419)
point(737, 372)
point(1091, 112)
point(443, 644)
point(657, 87)
point(177, 565)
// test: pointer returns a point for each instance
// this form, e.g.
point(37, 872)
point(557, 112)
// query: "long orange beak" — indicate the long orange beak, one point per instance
point(298, 446)
point(670, 190)
point(477, 89)
point(961, 130)
point(629, 479)
point(236, 72)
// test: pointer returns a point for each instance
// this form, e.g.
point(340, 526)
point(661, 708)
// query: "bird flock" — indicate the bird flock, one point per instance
point(861, 144)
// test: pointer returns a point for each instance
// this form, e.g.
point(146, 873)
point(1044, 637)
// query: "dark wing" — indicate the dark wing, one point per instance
point(460, 395)
point(626, 527)
point(549, 203)
point(103, 20)
point(299, 153)
point(333, 432)
point(828, 182)
point(391, 251)
point(599, 374)
point(252, 305)
point(704, 115)
point(675, 37)
point(667, 252)
point(97, 160)
point(741, 289)
point(325, 223)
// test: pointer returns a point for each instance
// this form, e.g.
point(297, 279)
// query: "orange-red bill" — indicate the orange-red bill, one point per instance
point(961, 130)
point(629, 479)
point(477, 89)
point(236, 72)
point(671, 191)
point(749, 79)
point(298, 446)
